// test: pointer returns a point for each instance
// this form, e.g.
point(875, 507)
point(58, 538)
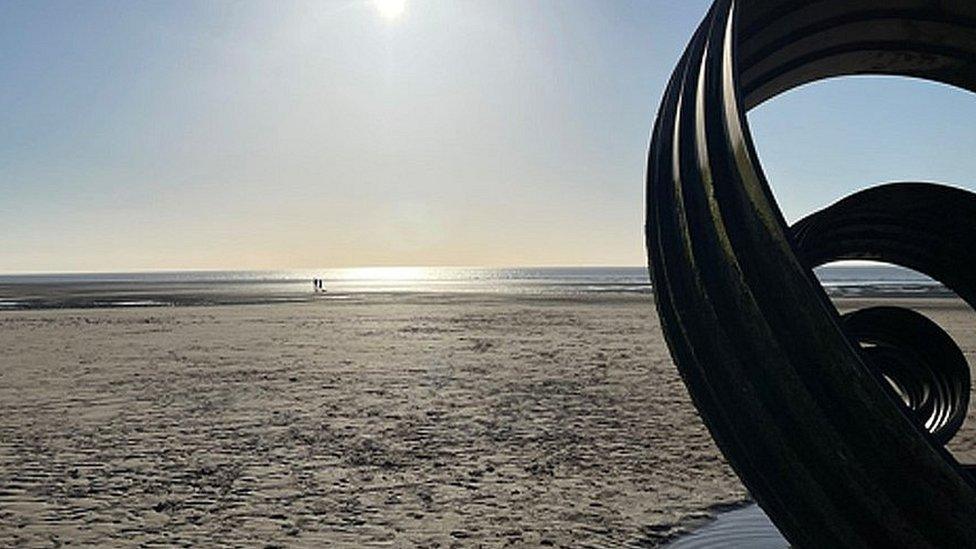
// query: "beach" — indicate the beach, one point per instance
point(428, 420)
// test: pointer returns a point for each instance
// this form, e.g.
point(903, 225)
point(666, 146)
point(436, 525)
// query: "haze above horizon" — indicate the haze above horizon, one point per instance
point(242, 136)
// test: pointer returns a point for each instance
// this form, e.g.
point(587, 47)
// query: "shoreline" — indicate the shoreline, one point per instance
point(57, 297)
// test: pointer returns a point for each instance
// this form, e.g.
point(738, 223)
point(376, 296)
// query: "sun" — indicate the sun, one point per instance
point(390, 9)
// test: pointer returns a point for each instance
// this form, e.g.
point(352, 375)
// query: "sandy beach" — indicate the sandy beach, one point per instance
point(423, 421)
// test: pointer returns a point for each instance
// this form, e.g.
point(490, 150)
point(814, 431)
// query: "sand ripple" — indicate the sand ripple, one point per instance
point(466, 422)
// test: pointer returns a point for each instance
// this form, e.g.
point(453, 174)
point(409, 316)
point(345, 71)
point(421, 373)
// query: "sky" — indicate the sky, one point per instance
point(339, 133)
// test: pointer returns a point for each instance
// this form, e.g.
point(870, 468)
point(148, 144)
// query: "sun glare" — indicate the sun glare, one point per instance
point(390, 9)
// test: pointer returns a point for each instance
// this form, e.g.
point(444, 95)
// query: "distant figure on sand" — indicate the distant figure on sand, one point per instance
point(317, 285)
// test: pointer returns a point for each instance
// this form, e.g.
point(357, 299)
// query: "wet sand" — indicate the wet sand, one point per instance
point(428, 421)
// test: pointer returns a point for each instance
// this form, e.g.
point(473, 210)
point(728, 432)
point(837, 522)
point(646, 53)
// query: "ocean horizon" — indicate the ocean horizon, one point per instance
point(203, 288)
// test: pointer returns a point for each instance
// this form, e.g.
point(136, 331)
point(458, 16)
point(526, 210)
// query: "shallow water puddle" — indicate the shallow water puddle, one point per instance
point(746, 527)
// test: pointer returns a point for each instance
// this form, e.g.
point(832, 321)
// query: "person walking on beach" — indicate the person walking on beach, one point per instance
point(318, 285)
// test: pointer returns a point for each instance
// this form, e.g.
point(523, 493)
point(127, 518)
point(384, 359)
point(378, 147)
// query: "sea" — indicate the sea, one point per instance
point(205, 288)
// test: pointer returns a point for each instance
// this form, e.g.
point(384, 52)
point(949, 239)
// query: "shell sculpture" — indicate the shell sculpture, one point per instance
point(836, 424)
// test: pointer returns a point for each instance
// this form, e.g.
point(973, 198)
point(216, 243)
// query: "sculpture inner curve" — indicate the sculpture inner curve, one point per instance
point(925, 227)
point(925, 370)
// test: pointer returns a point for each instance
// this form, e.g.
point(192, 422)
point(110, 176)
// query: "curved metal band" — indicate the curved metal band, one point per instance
point(785, 393)
point(925, 227)
point(923, 367)
point(922, 226)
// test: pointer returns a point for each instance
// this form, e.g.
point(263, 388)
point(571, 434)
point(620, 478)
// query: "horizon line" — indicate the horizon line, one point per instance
point(847, 263)
point(378, 267)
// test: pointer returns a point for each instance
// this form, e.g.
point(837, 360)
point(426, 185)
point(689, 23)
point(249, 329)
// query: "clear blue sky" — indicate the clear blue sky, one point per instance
point(169, 135)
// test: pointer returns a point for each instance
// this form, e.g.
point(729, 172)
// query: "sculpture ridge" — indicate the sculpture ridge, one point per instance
point(836, 425)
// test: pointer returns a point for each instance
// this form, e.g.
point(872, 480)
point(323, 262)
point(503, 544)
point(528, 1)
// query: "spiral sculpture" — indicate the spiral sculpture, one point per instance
point(836, 424)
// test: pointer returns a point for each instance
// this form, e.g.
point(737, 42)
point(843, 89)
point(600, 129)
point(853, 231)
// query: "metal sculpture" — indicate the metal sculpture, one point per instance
point(835, 424)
